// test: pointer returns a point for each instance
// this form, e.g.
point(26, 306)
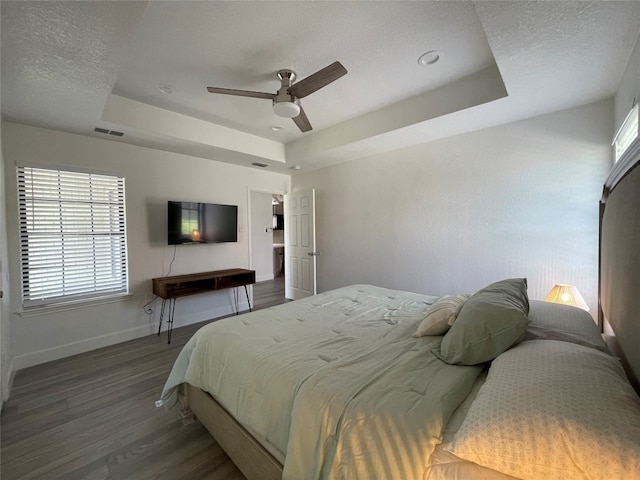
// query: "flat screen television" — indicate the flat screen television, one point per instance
point(191, 222)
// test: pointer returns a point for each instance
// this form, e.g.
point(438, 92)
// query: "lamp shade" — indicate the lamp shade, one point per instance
point(568, 295)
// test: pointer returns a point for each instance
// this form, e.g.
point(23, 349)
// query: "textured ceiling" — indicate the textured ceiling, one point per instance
point(72, 66)
point(60, 60)
point(243, 44)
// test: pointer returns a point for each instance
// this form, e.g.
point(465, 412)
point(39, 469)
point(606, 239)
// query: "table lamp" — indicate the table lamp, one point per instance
point(567, 295)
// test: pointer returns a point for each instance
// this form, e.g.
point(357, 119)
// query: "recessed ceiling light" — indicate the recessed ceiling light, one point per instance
point(295, 167)
point(430, 57)
point(168, 89)
point(276, 128)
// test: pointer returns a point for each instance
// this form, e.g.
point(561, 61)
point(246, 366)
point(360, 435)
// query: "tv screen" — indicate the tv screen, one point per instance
point(191, 222)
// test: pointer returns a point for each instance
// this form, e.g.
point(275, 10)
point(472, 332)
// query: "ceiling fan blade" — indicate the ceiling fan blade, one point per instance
point(241, 93)
point(317, 80)
point(302, 121)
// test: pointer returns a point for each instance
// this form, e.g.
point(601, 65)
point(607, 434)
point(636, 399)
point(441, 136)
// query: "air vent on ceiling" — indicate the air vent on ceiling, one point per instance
point(261, 165)
point(115, 133)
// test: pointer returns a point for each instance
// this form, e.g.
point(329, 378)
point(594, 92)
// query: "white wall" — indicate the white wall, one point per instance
point(456, 214)
point(261, 236)
point(151, 178)
point(629, 89)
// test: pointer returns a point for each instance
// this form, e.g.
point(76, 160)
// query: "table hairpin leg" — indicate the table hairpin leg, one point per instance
point(170, 311)
point(235, 296)
point(246, 292)
point(164, 301)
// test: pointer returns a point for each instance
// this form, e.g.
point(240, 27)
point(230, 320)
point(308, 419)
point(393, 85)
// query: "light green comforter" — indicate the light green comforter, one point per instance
point(336, 381)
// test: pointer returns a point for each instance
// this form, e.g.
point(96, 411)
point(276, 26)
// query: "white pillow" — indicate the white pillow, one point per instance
point(554, 321)
point(551, 409)
point(441, 315)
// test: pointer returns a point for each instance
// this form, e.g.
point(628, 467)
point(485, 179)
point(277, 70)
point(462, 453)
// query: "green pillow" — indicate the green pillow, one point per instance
point(489, 323)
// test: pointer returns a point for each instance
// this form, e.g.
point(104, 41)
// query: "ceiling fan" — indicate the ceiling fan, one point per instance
point(286, 101)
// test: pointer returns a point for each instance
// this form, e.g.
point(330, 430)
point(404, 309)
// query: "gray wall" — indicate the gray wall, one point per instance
point(151, 178)
point(456, 214)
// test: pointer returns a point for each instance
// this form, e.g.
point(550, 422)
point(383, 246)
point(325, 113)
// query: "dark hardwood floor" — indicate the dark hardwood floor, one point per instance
point(92, 416)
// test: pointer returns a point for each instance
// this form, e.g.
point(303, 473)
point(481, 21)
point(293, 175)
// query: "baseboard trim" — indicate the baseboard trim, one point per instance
point(31, 359)
point(81, 346)
point(264, 278)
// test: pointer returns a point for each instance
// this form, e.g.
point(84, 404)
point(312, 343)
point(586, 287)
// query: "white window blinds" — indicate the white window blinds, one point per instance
point(627, 133)
point(72, 236)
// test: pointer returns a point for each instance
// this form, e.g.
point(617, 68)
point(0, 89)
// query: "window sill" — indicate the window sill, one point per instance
point(80, 304)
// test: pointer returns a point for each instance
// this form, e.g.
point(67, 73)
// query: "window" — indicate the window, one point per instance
point(627, 134)
point(72, 236)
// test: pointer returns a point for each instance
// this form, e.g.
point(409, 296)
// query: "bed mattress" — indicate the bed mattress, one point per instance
point(336, 382)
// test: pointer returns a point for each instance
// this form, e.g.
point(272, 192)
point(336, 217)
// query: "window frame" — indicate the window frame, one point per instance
point(94, 227)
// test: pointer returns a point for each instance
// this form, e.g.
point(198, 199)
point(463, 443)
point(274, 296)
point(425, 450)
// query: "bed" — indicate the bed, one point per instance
point(339, 386)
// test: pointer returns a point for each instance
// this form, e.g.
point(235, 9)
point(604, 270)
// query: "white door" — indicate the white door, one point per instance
point(300, 244)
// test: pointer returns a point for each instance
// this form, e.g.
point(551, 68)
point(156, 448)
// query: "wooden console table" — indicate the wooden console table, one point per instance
point(170, 288)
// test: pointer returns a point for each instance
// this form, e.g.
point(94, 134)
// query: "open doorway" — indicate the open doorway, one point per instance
point(267, 247)
point(277, 205)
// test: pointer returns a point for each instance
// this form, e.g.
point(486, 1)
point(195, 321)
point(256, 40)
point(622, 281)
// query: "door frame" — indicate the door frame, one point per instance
point(250, 221)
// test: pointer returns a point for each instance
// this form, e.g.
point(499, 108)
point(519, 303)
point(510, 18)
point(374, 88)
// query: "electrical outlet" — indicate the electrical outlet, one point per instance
point(148, 300)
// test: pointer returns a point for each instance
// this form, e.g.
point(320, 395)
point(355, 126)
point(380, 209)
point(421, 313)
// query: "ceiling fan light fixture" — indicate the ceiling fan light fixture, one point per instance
point(286, 109)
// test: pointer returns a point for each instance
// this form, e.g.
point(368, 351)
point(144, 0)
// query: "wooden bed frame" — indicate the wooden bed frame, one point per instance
point(253, 460)
point(619, 261)
point(619, 307)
